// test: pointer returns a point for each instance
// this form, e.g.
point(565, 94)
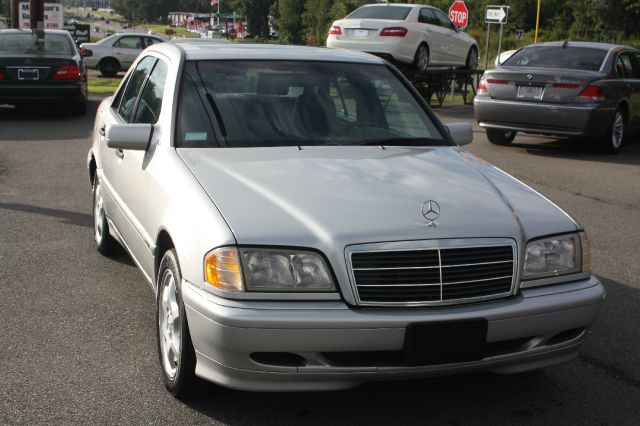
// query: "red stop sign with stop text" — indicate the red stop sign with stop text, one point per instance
point(459, 14)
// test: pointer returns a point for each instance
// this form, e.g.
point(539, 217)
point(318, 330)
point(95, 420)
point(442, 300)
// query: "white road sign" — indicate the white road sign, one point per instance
point(53, 15)
point(497, 14)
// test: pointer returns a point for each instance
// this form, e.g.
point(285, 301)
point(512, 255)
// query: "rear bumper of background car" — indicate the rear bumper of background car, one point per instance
point(542, 118)
point(328, 345)
point(390, 49)
point(46, 92)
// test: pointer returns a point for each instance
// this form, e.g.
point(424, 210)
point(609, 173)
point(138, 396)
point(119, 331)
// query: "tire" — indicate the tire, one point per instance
point(472, 59)
point(612, 142)
point(109, 67)
point(421, 58)
point(105, 243)
point(501, 137)
point(175, 350)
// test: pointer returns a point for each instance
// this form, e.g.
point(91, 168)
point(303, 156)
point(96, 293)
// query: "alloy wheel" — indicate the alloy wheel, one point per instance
point(170, 325)
point(617, 130)
point(423, 58)
point(98, 213)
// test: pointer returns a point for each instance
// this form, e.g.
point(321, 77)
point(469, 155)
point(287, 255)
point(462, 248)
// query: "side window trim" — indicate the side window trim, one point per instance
point(134, 112)
point(119, 95)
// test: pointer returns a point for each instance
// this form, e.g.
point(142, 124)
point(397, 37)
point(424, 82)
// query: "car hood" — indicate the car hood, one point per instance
point(336, 196)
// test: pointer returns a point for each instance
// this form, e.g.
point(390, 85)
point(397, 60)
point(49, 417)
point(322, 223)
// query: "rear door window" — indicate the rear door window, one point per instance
point(130, 95)
point(427, 17)
point(130, 43)
point(445, 22)
point(628, 65)
point(621, 69)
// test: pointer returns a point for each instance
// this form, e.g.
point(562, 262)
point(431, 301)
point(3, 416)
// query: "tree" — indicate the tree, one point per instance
point(317, 18)
point(257, 14)
point(290, 22)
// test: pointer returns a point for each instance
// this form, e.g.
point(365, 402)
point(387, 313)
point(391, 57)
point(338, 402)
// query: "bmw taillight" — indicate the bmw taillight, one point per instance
point(1, 75)
point(335, 30)
point(592, 94)
point(68, 72)
point(393, 32)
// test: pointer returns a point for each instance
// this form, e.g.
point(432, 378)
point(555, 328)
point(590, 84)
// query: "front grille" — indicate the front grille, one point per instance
point(433, 275)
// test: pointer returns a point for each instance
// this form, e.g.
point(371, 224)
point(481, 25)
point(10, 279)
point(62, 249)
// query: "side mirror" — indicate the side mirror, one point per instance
point(128, 136)
point(461, 133)
point(85, 53)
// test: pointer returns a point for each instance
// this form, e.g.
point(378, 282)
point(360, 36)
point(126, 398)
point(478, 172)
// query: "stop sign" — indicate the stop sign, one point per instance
point(459, 14)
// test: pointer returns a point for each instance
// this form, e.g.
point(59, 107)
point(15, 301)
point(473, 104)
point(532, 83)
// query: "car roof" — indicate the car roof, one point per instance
point(234, 51)
point(587, 44)
point(16, 31)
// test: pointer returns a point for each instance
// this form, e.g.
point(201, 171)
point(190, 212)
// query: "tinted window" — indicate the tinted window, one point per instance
point(579, 58)
point(628, 66)
point(130, 43)
point(27, 42)
point(151, 41)
point(620, 68)
point(635, 58)
point(427, 17)
point(397, 13)
point(148, 109)
point(130, 96)
point(281, 103)
point(444, 20)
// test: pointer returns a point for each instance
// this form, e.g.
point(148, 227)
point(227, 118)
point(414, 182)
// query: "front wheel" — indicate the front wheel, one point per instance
point(175, 350)
point(421, 58)
point(104, 241)
point(472, 59)
point(612, 143)
point(501, 137)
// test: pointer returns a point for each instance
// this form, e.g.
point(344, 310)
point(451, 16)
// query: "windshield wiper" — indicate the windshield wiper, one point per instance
point(402, 142)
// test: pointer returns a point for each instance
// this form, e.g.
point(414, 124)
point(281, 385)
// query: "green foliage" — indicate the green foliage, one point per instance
point(290, 23)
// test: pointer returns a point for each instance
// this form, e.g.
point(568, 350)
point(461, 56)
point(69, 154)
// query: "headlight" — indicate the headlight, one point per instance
point(560, 255)
point(266, 269)
point(285, 270)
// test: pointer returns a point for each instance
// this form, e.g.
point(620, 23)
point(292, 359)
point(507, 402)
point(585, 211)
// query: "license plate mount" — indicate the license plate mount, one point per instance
point(28, 74)
point(530, 92)
point(445, 342)
point(361, 33)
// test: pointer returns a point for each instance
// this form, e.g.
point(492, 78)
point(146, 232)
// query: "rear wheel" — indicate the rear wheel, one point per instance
point(421, 58)
point(109, 67)
point(617, 131)
point(501, 137)
point(175, 350)
point(472, 59)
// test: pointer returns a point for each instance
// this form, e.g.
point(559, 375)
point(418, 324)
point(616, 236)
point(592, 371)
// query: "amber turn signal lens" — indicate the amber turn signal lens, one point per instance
point(222, 269)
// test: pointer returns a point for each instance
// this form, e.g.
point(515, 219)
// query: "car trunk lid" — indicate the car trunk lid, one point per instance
point(549, 85)
point(365, 29)
point(31, 68)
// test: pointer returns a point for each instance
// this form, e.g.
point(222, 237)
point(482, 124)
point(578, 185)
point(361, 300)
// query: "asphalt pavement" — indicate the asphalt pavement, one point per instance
point(77, 335)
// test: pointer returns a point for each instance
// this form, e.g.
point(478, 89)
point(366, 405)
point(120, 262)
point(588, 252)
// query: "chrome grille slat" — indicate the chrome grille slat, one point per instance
point(410, 277)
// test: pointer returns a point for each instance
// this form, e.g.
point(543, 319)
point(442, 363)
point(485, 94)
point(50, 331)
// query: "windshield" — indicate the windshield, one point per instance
point(27, 43)
point(396, 13)
point(578, 58)
point(283, 103)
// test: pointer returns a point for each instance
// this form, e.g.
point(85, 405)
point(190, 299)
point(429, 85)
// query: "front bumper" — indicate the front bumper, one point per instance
point(542, 118)
point(328, 345)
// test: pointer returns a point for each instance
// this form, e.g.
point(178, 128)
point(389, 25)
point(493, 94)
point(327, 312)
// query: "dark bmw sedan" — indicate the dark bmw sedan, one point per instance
point(590, 90)
point(43, 65)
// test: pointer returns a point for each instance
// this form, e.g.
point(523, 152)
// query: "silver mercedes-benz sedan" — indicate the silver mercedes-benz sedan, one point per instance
point(307, 223)
point(591, 90)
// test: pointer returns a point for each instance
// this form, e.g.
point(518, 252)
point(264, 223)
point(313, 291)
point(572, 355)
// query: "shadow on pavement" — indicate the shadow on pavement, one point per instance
point(580, 149)
point(607, 370)
point(46, 121)
point(74, 218)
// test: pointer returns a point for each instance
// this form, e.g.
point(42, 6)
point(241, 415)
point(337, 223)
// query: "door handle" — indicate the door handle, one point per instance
point(120, 153)
point(101, 131)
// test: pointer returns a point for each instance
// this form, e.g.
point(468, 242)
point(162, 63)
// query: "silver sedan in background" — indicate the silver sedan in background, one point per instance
point(563, 89)
point(308, 223)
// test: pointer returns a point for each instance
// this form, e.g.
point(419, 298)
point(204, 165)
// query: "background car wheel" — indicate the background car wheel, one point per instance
point(612, 143)
point(109, 67)
point(104, 241)
point(501, 137)
point(175, 350)
point(472, 59)
point(421, 58)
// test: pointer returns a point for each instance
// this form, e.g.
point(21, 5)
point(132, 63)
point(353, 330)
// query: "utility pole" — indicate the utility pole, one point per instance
point(36, 14)
point(537, 22)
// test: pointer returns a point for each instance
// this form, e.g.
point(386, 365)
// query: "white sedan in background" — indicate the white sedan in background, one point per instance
point(117, 52)
point(417, 35)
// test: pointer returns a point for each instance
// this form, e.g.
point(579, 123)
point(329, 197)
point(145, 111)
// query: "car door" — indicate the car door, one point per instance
point(455, 50)
point(433, 34)
point(631, 61)
point(123, 170)
point(127, 48)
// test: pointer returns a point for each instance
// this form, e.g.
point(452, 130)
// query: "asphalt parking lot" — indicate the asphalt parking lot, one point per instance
point(77, 334)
